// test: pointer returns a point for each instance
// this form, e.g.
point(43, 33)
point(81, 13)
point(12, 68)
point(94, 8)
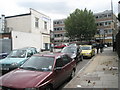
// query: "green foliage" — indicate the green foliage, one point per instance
point(80, 24)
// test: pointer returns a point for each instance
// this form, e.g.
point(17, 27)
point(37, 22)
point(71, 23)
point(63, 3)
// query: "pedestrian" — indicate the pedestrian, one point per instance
point(52, 46)
point(114, 46)
point(101, 47)
point(97, 47)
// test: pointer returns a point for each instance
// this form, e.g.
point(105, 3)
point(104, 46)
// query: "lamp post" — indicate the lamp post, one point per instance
point(112, 23)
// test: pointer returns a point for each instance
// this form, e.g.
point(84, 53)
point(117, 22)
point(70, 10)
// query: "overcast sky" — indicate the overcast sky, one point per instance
point(55, 9)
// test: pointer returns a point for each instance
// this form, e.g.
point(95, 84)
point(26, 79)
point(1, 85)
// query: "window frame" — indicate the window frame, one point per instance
point(45, 25)
point(36, 22)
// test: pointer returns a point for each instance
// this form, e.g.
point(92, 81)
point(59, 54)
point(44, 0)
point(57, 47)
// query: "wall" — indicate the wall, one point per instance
point(42, 18)
point(22, 39)
point(20, 23)
point(5, 45)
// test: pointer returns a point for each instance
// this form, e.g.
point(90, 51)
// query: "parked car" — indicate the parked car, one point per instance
point(60, 46)
point(40, 72)
point(16, 58)
point(74, 52)
point(87, 50)
point(3, 55)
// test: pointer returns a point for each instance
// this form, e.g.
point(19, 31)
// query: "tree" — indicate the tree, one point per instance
point(80, 24)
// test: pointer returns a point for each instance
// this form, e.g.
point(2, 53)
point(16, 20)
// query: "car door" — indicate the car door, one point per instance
point(59, 72)
point(68, 66)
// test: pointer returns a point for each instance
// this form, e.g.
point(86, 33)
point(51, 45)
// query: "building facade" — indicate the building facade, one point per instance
point(106, 28)
point(59, 31)
point(34, 24)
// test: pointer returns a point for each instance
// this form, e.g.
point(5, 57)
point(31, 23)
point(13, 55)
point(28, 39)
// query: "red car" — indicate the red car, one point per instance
point(40, 72)
point(60, 46)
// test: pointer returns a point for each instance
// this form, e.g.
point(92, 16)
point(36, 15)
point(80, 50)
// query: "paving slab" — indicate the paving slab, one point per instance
point(101, 72)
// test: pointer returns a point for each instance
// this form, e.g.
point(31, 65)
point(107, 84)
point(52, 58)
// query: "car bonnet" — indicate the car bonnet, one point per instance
point(20, 78)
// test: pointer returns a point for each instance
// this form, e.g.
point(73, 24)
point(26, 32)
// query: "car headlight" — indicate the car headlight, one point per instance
point(31, 89)
point(14, 64)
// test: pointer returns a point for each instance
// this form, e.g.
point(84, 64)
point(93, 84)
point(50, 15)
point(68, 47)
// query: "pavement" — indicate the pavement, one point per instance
point(100, 72)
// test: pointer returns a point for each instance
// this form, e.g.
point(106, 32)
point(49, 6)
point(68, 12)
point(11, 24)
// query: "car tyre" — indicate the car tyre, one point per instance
point(91, 56)
point(72, 74)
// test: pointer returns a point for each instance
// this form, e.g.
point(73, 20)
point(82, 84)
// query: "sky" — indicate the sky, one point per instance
point(55, 9)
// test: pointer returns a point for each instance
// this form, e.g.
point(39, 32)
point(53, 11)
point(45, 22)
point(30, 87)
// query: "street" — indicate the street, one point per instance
point(92, 63)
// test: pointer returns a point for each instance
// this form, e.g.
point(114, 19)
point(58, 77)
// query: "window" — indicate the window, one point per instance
point(109, 15)
point(105, 31)
point(59, 62)
point(110, 31)
point(29, 53)
point(97, 32)
point(105, 15)
point(97, 24)
point(54, 22)
point(101, 24)
point(106, 23)
point(36, 22)
point(45, 25)
point(55, 29)
point(100, 16)
point(57, 22)
point(109, 23)
point(66, 59)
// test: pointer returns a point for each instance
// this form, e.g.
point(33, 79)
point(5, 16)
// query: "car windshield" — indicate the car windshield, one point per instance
point(69, 50)
point(39, 63)
point(86, 48)
point(17, 54)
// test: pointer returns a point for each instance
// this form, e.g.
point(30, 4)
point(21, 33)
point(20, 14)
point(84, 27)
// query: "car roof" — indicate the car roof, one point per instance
point(26, 48)
point(71, 46)
point(86, 45)
point(55, 54)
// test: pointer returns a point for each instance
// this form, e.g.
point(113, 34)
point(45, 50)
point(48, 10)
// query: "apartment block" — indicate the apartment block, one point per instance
point(106, 28)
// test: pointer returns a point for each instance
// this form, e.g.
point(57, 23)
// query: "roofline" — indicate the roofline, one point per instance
point(39, 12)
point(19, 15)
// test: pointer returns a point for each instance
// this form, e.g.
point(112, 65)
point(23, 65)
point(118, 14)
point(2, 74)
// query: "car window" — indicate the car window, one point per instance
point(34, 50)
point(66, 59)
point(86, 48)
point(59, 62)
point(29, 53)
point(17, 54)
point(40, 63)
point(69, 50)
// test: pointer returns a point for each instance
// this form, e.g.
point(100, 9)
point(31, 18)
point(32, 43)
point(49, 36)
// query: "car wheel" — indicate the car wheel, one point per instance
point(49, 87)
point(72, 74)
point(91, 55)
point(81, 59)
